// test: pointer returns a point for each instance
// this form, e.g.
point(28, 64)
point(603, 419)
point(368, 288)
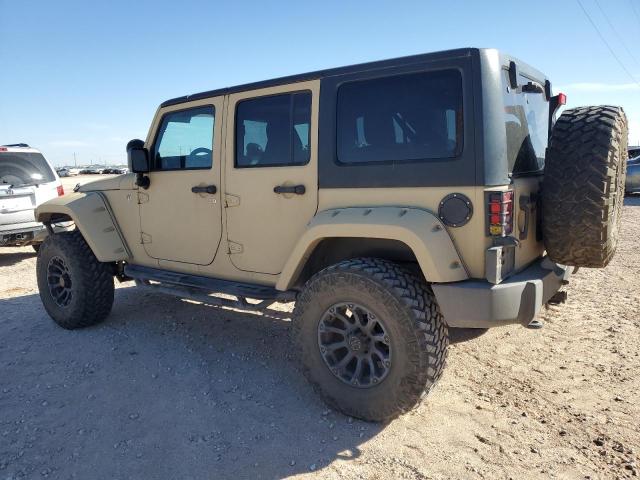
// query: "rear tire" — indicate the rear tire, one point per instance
point(583, 187)
point(76, 289)
point(406, 323)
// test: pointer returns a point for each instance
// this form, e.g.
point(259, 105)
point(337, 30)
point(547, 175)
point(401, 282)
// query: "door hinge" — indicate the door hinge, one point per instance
point(145, 238)
point(142, 198)
point(234, 247)
point(231, 200)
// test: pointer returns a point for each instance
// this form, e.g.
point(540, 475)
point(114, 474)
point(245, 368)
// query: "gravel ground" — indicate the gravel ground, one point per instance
point(173, 389)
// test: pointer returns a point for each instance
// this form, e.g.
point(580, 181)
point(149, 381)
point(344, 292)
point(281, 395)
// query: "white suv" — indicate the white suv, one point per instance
point(27, 179)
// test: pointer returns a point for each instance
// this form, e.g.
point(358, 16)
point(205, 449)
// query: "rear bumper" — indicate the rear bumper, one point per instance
point(517, 300)
point(29, 233)
point(20, 234)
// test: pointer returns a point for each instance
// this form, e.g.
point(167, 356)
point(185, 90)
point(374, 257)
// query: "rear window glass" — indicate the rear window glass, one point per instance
point(24, 168)
point(526, 117)
point(407, 117)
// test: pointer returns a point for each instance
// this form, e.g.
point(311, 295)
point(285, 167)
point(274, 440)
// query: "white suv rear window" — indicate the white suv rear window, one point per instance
point(24, 168)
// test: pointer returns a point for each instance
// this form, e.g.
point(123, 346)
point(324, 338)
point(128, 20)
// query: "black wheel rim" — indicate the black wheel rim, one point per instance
point(355, 345)
point(59, 281)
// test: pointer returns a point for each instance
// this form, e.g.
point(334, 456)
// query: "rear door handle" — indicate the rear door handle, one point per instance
point(210, 189)
point(297, 189)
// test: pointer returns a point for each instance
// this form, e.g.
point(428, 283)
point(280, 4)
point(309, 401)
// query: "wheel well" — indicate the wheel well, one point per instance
point(56, 218)
point(334, 250)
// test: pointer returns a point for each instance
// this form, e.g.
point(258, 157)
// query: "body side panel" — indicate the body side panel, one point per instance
point(263, 226)
point(221, 267)
point(470, 239)
point(124, 205)
point(177, 224)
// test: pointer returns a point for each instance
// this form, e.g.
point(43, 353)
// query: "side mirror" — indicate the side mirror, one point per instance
point(137, 157)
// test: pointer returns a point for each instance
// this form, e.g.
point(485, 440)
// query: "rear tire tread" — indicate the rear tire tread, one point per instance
point(429, 330)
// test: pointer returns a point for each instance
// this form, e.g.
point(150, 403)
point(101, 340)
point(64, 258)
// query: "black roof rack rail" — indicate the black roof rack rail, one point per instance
point(24, 145)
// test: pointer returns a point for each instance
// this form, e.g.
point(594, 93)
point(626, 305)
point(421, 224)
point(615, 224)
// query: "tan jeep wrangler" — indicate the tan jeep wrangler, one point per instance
point(391, 201)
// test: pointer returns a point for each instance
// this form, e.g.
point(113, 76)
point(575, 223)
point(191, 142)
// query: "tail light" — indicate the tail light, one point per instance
point(60, 190)
point(500, 213)
point(562, 99)
point(555, 103)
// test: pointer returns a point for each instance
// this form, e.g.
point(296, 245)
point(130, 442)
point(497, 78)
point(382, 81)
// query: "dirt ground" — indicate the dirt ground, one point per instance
point(173, 389)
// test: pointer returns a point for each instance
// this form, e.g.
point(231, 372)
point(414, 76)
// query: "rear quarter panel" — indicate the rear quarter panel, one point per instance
point(469, 240)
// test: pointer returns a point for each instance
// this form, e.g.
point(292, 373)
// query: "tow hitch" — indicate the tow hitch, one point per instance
point(557, 299)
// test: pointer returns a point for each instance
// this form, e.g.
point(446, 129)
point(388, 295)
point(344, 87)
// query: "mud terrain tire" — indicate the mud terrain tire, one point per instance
point(417, 335)
point(85, 294)
point(583, 186)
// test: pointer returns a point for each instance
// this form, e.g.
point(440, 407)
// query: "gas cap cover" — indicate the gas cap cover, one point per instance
point(455, 210)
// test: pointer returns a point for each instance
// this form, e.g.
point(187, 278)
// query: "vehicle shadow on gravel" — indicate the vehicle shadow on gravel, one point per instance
point(8, 259)
point(164, 388)
point(461, 335)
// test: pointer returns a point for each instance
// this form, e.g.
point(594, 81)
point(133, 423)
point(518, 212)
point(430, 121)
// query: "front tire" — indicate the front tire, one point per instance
point(371, 339)
point(75, 288)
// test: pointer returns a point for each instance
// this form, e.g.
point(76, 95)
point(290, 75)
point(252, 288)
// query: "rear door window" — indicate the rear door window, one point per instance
point(400, 118)
point(24, 168)
point(273, 131)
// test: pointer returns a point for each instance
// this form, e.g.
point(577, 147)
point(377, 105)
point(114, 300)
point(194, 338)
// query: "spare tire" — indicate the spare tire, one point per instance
point(583, 186)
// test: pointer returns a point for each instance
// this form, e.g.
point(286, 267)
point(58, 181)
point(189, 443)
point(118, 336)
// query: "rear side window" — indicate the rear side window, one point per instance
point(273, 131)
point(399, 118)
point(24, 168)
point(185, 140)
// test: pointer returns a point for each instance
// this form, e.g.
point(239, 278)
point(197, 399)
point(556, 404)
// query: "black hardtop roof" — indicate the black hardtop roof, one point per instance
point(380, 64)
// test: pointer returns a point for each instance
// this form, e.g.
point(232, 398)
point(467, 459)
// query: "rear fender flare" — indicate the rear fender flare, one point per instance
point(419, 229)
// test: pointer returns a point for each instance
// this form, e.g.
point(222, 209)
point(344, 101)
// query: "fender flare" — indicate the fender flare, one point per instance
point(92, 215)
point(419, 229)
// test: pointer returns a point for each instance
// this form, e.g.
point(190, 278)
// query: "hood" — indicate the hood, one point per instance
point(119, 182)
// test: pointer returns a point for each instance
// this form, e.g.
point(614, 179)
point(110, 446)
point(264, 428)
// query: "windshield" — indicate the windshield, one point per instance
point(24, 168)
point(527, 127)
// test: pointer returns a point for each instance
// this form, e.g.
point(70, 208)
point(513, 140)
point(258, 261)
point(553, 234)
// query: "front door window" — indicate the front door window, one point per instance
point(185, 140)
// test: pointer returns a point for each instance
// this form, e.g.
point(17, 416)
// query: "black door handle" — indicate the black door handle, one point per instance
point(297, 189)
point(211, 189)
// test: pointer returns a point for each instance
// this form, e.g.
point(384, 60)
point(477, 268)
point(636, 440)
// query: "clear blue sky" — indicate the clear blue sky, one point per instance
point(85, 77)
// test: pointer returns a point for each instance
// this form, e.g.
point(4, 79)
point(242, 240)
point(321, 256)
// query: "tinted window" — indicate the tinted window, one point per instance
point(24, 168)
point(185, 140)
point(273, 131)
point(408, 117)
point(527, 126)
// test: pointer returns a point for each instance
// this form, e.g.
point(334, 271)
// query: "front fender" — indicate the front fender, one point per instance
point(93, 217)
point(419, 229)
